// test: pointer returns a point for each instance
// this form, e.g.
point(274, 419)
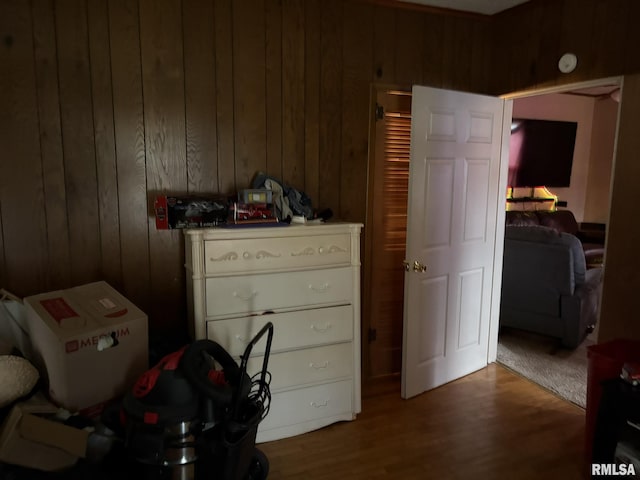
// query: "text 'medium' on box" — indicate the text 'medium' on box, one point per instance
point(90, 343)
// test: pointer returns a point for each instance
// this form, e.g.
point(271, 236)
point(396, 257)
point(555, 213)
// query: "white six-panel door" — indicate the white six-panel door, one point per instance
point(451, 232)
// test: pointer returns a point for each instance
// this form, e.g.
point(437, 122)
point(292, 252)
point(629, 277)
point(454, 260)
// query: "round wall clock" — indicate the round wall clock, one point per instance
point(567, 63)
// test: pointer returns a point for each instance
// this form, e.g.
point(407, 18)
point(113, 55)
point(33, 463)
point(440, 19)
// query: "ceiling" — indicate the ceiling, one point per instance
point(486, 7)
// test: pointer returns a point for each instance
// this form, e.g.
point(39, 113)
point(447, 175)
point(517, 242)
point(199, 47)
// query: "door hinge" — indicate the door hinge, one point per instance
point(379, 112)
point(373, 334)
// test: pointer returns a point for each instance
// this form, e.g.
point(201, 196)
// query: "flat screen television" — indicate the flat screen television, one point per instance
point(541, 152)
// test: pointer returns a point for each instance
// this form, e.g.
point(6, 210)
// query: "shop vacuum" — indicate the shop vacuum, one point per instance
point(195, 415)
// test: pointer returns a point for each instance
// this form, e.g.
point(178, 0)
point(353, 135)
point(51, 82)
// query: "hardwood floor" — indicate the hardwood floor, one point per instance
point(491, 424)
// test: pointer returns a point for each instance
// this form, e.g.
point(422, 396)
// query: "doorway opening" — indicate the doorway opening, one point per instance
point(383, 262)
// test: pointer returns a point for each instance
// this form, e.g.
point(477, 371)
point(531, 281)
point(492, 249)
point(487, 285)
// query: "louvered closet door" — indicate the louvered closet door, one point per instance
point(389, 222)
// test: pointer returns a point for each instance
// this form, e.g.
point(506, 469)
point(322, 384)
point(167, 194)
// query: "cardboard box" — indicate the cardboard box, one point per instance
point(90, 343)
point(30, 438)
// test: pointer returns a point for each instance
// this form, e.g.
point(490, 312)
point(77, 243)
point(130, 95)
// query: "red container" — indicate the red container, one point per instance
point(605, 362)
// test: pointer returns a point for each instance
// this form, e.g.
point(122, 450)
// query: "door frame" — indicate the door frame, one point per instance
point(500, 224)
point(495, 303)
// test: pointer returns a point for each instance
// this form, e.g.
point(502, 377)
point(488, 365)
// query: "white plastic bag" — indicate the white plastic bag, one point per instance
point(13, 324)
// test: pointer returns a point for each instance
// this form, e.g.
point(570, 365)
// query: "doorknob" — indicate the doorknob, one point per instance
point(419, 267)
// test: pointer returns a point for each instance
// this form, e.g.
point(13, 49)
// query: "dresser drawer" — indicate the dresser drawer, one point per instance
point(305, 279)
point(308, 404)
point(269, 254)
point(267, 292)
point(291, 330)
point(307, 366)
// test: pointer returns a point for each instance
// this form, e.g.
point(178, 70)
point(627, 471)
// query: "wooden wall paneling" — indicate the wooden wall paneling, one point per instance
point(449, 60)
point(531, 49)
point(3, 271)
point(57, 222)
point(21, 191)
point(384, 45)
point(274, 86)
point(164, 118)
point(521, 44)
point(293, 101)
point(460, 48)
point(516, 41)
point(357, 72)
point(330, 105)
point(106, 168)
point(531, 58)
point(433, 60)
point(631, 63)
point(549, 49)
point(250, 117)
point(200, 96)
point(130, 150)
point(610, 30)
point(521, 57)
point(312, 101)
point(479, 63)
point(225, 94)
point(76, 107)
point(502, 33)
point(409, 51)
point(577, 35)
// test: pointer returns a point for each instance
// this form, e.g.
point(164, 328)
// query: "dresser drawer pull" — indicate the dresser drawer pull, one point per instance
point(260, 254)
point(320, 405)
point(319, 366)
point(245, 296)
point(319, 328)
point(264, 254)
point(331, 249)
point(241, 339)
point(319, 289)
point(306, 251)
point(224, 258)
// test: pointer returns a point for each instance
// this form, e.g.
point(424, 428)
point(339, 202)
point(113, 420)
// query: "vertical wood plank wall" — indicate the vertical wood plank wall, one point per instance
point(106, 103)
point(528, 41)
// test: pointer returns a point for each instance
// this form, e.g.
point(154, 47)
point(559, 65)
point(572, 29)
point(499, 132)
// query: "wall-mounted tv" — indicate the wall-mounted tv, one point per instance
point(541, 152)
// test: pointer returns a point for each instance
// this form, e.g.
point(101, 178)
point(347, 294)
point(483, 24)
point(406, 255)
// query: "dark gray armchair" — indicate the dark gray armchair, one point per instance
point(546, 287)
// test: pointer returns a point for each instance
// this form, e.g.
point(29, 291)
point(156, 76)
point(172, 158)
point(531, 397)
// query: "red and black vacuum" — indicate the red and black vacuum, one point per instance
point(195, 415)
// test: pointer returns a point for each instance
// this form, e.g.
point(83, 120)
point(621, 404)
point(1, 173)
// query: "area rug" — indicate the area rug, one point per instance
point(543, 361)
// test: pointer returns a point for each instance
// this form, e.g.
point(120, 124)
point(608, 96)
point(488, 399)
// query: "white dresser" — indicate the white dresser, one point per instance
point(305, 279)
